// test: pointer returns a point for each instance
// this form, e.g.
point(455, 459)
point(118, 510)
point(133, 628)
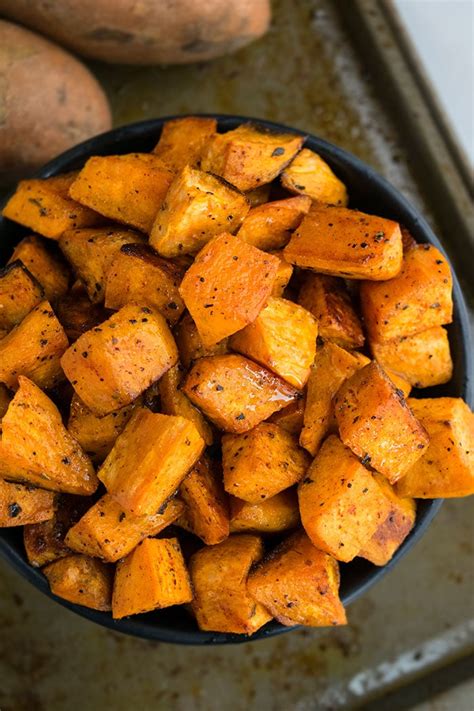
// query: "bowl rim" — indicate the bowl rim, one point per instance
point(104, 144)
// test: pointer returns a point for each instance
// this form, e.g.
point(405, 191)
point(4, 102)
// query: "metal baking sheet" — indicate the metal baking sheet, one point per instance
point(331, 68)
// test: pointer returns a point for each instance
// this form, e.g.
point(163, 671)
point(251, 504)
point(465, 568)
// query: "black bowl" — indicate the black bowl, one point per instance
point(369, 192)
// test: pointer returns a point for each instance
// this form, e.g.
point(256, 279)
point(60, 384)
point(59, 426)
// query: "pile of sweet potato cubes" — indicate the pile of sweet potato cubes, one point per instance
point(206, 361)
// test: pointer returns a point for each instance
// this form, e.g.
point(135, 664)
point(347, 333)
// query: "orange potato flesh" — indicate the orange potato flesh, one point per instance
point(308, 174)
point(81, 580)
point(283, 276)
point(291, 417)
point(20, 505)
point(207, 507)
point(190, 345)
point(19, 294)
point(175, 402)
point(46, 267)
point(183, 140)
point(274, 515)
point(268, 226)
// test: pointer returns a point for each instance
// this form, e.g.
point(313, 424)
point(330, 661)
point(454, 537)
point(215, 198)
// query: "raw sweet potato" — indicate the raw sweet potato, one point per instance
point(283, 275)
point(190, 345)
point(207, 508)
point(219, 577)
point(328, 300)
point(420, 297)
point(112, 364)
point(291, 417)
point(346, 243)
point(392, 532)
point(235, 393)
point(261, 463)
point(138, 274)
point(183, 141)
point(175, 402)
point(299, 584)
point(282, 338)
point(149, 460)
point(447, 467)
point(77, 314)
point(341, 504)
point(250, 156)
point(19, 294)
point(20, 505)
point(46, 266)
point(308, 174)
point(376, 423)
point(37, 449)
point(423, 359)
point(269, 226)
point(81, 580)
point(97, 435)
point(151, 577)
point(46, 207)
point(106, 531)
point(91, 252)
point(127, 188)
point(198, 206)
point(227, 286)
point(34, 348)
point(274, 515)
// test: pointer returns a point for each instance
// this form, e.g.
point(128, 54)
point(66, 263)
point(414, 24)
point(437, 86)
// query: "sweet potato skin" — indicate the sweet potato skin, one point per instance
point(376, 423)
point(274, 515)
point(299, 584)
point(149, 461)
point(219, 577)
point(235, 393)
point(261, 463)
point(227, 286)
point(20, 505)
point(269, 226)
point(183, 140)
point(175, 402)
point(207, 506)
point(81, 580)
point(308, 174)
point(19, 294)
point(45, 266)
point(282, 338)
point(112, 364)
point(447, 467)
point(346, 243)
point(190, 345)
point(152, 576)
point(106, 531)
point(341, 503)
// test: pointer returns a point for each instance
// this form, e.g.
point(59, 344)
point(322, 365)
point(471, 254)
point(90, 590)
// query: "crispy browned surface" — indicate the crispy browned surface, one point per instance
point(268, 226)
point(274, 515)
point(82, 580)
point(235, 393)
point(19, 294)
point(299, 584)
point(50, 271)
point(175, 402)
point(308, 174)
point(190, 345)
point(207, 506)
point(219, 573)
point(77, 314)
point(183, 141)
point(20, 505)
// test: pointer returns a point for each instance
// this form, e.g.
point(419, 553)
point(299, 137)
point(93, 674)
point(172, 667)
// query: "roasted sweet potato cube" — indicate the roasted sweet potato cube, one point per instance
point(112, 364)
point(447, 466)
point(332, 366)
point(183, 140)
point(235, 393)
point(106, 531)
point(308, 174)
point(50, 271)
point(20, 505)
point(282, 338)
point(420, 297)
point(44, 542)
point(261, 463)
point(376, 423)
point(392, 532)
point(328, 300)
point(81, 580)
point(175, 402)
point(341, 504)
point(250, 156)
point(97, 435)
point(274, 515)
point(128, 188)
point(346, 243)
point(19, 294)
point(46, 207)
point(138, 274)
point(190, 345)
point(423, 359)
point(151, 577)
point(198, 206)
point(149, 460)
point(227, 286)
point(269, 226)
point(219, 577)
point(207, 508)
point(291, 417)
point(77, 314)
point(37, 449)
point(34, 348)
point(283, 276)
point(91, 252)
point(299, 584)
